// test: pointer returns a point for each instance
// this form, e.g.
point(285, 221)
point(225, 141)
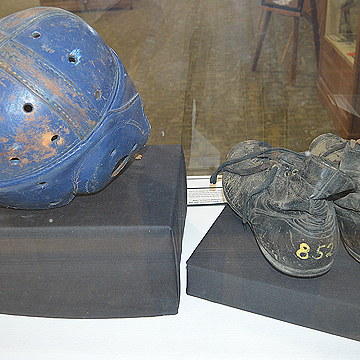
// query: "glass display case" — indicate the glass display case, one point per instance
point(91, 279)
point(339, 64)
point(341, 26)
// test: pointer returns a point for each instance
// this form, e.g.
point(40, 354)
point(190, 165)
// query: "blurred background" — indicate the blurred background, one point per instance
point(191, 62)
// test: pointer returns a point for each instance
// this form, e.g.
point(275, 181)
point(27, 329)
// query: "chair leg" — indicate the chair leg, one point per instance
point(287, 46)
point(296, 21)
point(315, 27)
point(261, 40)
point(259, 20)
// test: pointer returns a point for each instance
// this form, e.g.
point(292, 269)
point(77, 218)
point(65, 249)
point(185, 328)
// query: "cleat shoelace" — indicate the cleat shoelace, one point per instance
point(265, 155)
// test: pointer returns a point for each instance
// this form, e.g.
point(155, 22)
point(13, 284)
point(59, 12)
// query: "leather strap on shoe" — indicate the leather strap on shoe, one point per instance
point(264, 155)
point(333, 149)
point(243, 172)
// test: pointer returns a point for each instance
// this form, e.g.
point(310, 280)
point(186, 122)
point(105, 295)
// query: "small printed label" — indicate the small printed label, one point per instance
point(204, 196)
point(201, 192)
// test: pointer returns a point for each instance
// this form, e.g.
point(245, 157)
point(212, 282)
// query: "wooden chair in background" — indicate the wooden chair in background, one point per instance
point(295, 10)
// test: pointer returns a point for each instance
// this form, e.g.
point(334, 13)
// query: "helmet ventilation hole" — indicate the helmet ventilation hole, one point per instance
point(28, 108)
point(42, 183)
point(54, 138)
point(113, 152)
point(97, 95)
point(72, 58)
point(35, 35)
point(121, 163)
point(14, 161)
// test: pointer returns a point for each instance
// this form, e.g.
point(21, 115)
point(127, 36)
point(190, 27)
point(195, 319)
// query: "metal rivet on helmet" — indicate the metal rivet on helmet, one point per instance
point(70, 116)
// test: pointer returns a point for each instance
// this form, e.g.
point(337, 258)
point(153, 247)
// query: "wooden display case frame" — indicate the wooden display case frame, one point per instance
point(338, 81)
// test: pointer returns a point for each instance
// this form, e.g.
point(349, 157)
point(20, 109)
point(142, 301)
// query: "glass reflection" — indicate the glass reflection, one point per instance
point(191, 63)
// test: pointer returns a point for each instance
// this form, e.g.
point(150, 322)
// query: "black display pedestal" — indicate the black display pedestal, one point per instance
point(112, 254)
point(228, 268)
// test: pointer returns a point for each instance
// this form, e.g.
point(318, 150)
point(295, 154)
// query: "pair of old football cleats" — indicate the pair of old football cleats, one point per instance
point(299, 205)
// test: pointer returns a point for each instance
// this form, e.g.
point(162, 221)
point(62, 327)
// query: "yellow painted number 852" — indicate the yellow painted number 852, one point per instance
point(304, 249)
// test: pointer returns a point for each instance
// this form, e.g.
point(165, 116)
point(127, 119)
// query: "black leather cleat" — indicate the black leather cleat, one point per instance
point(345, 155)
point(283, 195)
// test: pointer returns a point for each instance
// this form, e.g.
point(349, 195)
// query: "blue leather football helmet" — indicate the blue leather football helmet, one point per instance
point(70, 116)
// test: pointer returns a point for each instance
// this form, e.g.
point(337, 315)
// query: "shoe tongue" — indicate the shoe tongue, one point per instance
point(350, 160)
point(350, 165)
point(332, 182)
point(355, 144)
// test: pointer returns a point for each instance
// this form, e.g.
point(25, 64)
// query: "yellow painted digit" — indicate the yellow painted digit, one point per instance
point(331, 247)
point(320, 253)
point(303, 252)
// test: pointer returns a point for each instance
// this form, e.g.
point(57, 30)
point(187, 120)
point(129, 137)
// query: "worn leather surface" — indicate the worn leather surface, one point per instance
point(284, 196)
point(345, 155)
